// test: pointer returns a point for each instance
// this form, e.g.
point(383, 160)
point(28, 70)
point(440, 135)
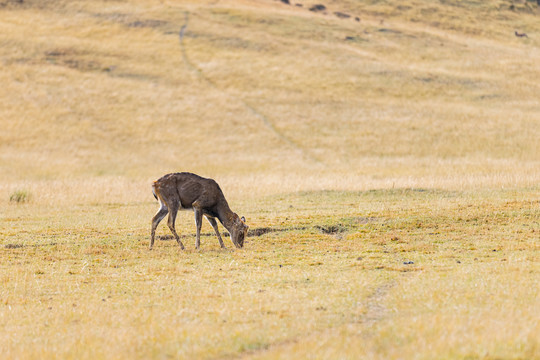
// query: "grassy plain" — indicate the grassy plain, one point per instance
point(389, 169)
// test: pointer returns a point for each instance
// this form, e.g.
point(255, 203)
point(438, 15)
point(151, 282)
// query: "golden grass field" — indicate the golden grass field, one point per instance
point(388, 167)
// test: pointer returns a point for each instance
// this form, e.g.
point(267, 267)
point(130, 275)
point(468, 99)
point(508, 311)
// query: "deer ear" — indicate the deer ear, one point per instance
point(243, 219)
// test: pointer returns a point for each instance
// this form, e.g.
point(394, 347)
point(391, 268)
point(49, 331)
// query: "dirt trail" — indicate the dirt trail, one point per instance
point(375, 309)
point(250, 108)
point(362, 326)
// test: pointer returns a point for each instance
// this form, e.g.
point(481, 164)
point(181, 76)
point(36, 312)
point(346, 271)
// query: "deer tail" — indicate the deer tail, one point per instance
point(154, 190)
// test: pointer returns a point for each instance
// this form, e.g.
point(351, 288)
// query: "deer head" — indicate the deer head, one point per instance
point(239, 231)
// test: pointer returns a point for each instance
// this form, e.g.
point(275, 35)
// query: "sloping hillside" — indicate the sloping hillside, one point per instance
point(385, 155)
point(345, 94)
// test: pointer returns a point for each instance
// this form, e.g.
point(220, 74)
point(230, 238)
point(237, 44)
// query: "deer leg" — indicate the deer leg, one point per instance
point(214, 224)
point(198, 223)
point(156, 220)
point(171, 221)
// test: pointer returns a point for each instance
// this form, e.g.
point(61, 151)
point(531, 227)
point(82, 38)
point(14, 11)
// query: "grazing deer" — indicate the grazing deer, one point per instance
point(189, 191)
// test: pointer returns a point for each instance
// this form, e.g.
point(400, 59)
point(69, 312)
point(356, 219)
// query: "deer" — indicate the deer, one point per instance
point(184, 191)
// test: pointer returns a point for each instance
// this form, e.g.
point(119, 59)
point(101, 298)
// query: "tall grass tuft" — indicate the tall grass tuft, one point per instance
point(20, 196)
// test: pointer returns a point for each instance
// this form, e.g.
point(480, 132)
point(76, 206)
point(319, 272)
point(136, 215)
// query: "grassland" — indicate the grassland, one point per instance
point(389, 168)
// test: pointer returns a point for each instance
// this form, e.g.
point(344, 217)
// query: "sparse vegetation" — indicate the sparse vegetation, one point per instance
point(387, 162)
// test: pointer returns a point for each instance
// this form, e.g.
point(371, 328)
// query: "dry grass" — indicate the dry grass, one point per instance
point(389, 168)
point(379, 274)
point(263, 88)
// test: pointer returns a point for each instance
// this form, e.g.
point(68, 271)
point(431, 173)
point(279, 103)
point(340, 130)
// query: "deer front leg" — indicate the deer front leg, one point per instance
point(162, 212)
point(171, 221)
point(214, 224)
point(198, 223)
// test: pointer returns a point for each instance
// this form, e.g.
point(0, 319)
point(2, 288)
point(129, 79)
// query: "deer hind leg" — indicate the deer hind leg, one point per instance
point(214, 224)
point(172, 219)
point(162, 212)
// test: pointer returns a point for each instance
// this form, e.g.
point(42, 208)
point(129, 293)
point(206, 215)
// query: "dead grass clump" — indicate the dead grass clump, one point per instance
point(13, 246)
point(260, 231)
point(331, 229)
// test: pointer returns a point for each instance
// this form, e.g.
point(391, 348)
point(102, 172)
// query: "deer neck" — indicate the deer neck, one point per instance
point(226, 216)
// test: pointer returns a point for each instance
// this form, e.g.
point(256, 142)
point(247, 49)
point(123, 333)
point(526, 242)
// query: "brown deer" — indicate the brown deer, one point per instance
point(189, 191)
